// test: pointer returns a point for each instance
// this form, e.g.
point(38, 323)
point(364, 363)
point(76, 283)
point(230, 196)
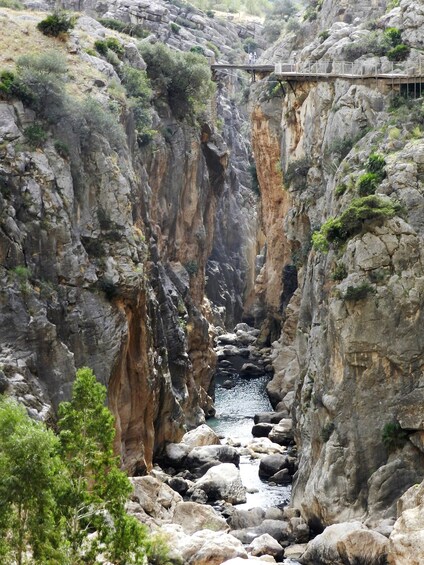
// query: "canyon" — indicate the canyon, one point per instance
point(135, 255)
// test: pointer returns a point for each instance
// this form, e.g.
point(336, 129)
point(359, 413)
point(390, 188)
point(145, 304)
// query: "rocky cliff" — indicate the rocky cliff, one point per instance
point(349, 355)
point(104, 238)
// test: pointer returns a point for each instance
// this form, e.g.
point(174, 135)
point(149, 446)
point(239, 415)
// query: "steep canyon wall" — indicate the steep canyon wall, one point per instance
point(349, 358)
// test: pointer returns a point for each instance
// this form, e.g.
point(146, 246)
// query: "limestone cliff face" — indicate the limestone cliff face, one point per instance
point(353, 362)
point(103, 252)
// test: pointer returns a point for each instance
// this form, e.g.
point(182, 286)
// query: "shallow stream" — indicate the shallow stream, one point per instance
point(235, 409)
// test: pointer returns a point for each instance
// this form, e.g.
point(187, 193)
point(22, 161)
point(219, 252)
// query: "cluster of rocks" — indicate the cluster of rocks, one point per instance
point(191, 501)
point(238, 356)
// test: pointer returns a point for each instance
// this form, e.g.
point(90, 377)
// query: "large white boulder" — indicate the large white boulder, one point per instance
point(202, 548)
point(194, 517)
point(200, 436)
point(223, 482)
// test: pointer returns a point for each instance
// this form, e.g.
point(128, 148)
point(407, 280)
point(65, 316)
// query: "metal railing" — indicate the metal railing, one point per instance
point(349, 69)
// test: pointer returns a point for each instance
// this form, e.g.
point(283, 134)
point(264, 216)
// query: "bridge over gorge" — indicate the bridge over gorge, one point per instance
point(390, 75)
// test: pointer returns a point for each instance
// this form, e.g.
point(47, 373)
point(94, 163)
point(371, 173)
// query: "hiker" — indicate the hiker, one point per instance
point(250, 58)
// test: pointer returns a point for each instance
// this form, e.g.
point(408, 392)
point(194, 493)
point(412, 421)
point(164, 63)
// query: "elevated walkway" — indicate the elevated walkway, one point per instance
point(326, 70)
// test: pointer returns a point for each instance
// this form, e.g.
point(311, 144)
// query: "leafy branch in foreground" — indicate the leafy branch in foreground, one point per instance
point(62, 498)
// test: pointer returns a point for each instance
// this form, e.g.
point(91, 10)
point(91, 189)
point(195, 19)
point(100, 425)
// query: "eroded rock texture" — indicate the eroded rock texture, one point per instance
point(103, 250)
point(351, 362)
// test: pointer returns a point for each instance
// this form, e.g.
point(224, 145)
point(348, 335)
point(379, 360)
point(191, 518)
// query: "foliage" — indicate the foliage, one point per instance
point(340, 189)
point(339, 272)
point(183, 78)
point(111, 43)
point(134, 30)
point(7, 79)
point(137, 86)
point(62, 148)
point(249, 45)
point(352, 221)
point(324, 35)
point(399, 53)
point(389, 43)
point(369, 181)
point(56, 24)
point(35, 134)
point(31, 476)
point(95, 119)
point(393, 436)
point(197, 49)
point(367, 184)
point(376, 164)
point(40, 82)
point(12, 4)
point(213, 48)
point(360, 292)
point(175, 28)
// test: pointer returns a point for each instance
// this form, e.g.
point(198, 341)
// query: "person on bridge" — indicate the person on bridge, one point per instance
point(250, 58)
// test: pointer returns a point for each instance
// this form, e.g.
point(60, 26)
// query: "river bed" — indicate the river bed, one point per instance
point(235, 409)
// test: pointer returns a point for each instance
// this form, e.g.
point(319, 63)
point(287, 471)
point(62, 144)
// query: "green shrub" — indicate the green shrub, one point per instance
point(62, 148)
point(324, 35)
point(97, 119)
point(360, 292)
point(250, 45)
point(11, 4)
point(337, 231)
point(339, 272)
point(399, 53)
point(134, 30)
point(367, 184)
point(393, 36)
point(114, 45)
point(376, 164)
point(40, 81)
point(35, 135)
point(210, 13)
point(213, 48)
point(183, 78)
point(198, 49)
point(175, 28)
point(7, 79)
point(56, 23)
point(393, 436)
point(340, 189)
point(101, 47)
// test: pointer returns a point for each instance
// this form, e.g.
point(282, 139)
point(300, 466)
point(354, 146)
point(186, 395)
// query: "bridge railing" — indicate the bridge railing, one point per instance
point(348, 68)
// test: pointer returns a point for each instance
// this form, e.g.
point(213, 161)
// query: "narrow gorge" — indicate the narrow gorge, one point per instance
point(221, 215)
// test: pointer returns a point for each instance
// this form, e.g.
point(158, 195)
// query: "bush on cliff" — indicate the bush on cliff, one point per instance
point(336, 231)
point(62, 498)
point(184, 79)
point(56, 24)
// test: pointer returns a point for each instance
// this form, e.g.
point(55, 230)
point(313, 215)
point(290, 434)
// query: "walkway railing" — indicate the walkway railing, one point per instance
point(349, 69)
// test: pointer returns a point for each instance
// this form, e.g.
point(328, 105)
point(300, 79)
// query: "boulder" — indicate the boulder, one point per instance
point(175, 453)
point(241, 519)
point(407, 537)
point(295, 551)
point(200, 459)
point(265, 545)
point(261, 430)
point(347, 543)
point(223, 482)
point(282, 433)
point(264, 445)
point(251, 370)
point(271, 464)
point(204, 547)
point(153, 498)
point(282, 477)
point(178, 484)
point(200, 436)
point(194, 517)
point(270, 417)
